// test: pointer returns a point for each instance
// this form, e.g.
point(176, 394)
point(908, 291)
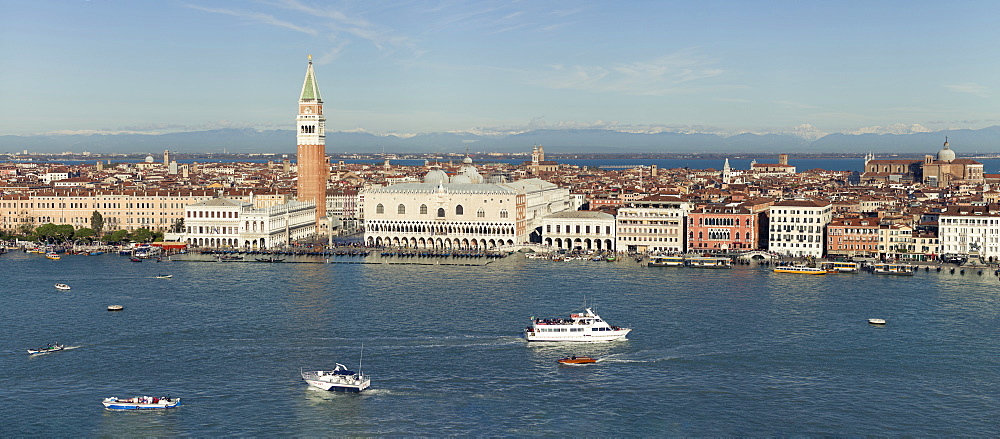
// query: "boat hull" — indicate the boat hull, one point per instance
point(585, 338)
point(334, 387)
point(126, 405)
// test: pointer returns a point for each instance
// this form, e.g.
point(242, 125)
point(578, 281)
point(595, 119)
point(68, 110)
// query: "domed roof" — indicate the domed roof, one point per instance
point(149, 159)
point(461, 178)
point(467, 160)
point(436, 176)
point(946, 154)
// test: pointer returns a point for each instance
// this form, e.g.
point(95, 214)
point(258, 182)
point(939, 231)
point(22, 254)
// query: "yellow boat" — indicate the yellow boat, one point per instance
point(799, 269)
point(52, 256)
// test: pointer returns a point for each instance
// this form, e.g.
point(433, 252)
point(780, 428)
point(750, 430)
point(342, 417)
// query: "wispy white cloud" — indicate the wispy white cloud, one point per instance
point(970, 88)
point(257, 17)
point(655, 77)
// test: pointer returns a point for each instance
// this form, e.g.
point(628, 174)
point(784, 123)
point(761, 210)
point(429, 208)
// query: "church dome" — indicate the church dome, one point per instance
point(467, 160)
point(946, 154)
point(149, 159)
point(461, 178)
point(436, 176)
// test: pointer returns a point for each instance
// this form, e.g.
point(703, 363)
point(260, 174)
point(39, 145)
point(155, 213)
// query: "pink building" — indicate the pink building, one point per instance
point(724, 227)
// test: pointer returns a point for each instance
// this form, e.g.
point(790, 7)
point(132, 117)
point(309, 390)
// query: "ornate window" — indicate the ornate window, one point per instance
point(480, 213)
point(423, 209)
point(459, 210)
point(503, 213)
point(380, 208)
point(401, 209)
point(440, 212)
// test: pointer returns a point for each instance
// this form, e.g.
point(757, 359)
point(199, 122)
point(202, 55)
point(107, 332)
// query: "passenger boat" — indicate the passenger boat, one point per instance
point(842, 267)
point(709, 262)
point(876, 321)
point(62, 287)
point(271, 259)
point(894, 269)
point(799, 269)
point(585, 327)
point(340, 379)
point(115, 307)
point(164, 276)
point(576, 360)
point(665, 261)
point(52, 347)
point(141, 403)
point(52, 255)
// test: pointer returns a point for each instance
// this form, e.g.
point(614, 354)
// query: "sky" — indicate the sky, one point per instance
point(407, 67)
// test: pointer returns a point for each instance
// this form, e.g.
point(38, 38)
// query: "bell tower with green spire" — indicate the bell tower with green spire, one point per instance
point(311, 129)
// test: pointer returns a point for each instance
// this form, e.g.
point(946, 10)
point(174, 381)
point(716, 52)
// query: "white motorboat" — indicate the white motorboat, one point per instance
point(54, 347)
point(340, 379)
point(586, 327)
point(62, 287)
point(876, 321)
point(115, 307)
point(164, 276)
point(141, 403)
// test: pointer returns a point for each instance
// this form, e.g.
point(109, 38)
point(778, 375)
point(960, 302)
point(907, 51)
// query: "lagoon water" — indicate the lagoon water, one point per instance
point(741, 352)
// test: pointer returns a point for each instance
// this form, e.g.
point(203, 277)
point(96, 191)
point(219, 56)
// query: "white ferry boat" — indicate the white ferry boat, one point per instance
point(894, 269)
point(799, 269)
point(709, 262)
point(665, 261)
point(585, 327)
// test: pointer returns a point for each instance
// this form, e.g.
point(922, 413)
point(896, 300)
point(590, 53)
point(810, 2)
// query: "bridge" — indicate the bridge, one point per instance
point(757, 254)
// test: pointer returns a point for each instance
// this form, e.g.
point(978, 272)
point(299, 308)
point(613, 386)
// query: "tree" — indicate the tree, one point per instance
point(54, 232)
point(97, 223)
point(118, 236)
point(84, 234)
point(142, 235)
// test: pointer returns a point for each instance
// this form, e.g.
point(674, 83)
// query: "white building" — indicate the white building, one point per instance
point(221, 222)
point(579, 229)
point(970, 230)
point(459, 212)
point(653, 224)
point(798, 227)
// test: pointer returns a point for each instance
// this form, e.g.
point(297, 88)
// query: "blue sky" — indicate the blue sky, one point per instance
point(407, 67)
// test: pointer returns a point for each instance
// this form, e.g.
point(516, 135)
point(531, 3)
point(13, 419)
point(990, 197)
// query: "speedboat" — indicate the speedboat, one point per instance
point(340, 379)
point(62, 287)
point(141, 403)
point(164, 276)
point(50, 348)
point(576, 360)
point(115, 307)
point(876, 321)
point(586, 326)
point(135, 259)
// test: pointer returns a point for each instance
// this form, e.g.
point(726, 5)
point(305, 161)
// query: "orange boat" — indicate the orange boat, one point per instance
point(576, 360)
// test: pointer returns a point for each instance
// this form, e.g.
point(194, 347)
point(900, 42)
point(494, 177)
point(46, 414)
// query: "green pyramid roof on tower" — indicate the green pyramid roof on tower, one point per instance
point(310, 89)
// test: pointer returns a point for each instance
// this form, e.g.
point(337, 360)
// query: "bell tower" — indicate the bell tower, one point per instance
point(311, 137)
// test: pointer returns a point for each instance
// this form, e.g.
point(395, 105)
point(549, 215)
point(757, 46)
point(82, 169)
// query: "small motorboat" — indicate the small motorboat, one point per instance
point(52, 255)
point(876, 321)
point(141, 403)
point(164, 276)
point(576, 360)
point(340, 379)
point(135, 259)
point(52, 347)
point(62, 287)
point(115, 307)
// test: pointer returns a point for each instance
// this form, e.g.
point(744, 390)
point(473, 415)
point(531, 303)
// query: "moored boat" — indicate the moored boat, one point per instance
point(665, 261)
point(141, 403)
point(576, 360)
point(709, 262)
point(894, 269)
point(799, 269)
point(52, 347)
point(842, 267)
point(340, 379)
point(62, 287)
point(583, 327)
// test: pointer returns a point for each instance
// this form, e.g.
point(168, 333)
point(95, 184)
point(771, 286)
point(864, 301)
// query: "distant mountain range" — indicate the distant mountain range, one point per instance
point(965, 142)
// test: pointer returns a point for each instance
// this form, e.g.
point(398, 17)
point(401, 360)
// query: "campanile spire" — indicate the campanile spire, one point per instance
point(311, 139)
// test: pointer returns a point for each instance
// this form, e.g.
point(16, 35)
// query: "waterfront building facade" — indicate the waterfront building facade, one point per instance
point(311, 139)
point(723, 227)
point(460, 212)
point(579, 230)
point(797, 227)
point(853, 237)
point(227, 223)
point(653, 224)
point(970, 231)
